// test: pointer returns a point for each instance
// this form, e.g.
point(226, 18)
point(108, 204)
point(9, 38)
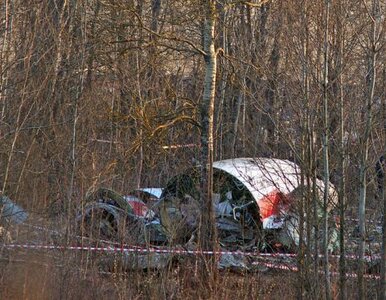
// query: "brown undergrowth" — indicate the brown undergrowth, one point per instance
point(49, 274)
point(75, 274)
point(67, 275)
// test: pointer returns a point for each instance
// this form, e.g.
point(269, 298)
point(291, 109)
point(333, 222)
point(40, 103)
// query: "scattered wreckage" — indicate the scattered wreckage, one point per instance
point(254, 200)
point(10, 214)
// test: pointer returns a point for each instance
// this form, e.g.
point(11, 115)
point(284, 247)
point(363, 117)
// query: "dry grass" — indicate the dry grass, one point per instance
point(76, 275)
point(56, 274)
point(48, 275)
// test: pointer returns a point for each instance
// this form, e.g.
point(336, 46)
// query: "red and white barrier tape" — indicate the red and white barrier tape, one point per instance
point(144, 250)
point(124, 249)
point(272, 265)
point(118, 247)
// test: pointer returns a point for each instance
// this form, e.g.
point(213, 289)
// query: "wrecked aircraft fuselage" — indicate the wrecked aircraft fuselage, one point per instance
point(254, 200)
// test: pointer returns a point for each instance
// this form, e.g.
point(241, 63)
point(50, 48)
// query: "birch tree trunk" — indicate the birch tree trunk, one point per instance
point(208, 235)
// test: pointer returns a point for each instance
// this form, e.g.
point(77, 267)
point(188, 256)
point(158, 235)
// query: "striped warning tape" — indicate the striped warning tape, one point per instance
point(164, 250)
point(124, 249)
point(138, 250)
point(119, 247)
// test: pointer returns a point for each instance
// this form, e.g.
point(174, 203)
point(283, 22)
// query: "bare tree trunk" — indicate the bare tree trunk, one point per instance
point(223, 35)
point(301, 252)
point(75, 104)
point(304, 207)
point(382, 290)
point(4, 56)
point(342, 200)
point(342, 163)
point(155, 11)
point(89, 47)
point(208, 234)
point(140, 99)
point(326, 152)
point(271, 97)
point(20, 117)
point(371, 79)
point(60, 48)
point(239, 103)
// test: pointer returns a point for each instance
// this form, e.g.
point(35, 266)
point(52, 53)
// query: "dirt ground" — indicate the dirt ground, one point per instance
point(75, 274)
point(47, 275)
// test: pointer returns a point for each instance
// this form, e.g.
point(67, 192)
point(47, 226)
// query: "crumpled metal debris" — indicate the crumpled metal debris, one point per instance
point(288, 235)
point(253, 200)
point(234, 262)
point(11, 212)
point(179, 218)
point(107, 214)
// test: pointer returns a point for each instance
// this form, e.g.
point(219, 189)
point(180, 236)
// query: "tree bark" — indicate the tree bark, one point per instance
point(326, 152)
point(382, 289)
point(370, 80)
point(4, 56)
point(208, 235)
point(342, 161)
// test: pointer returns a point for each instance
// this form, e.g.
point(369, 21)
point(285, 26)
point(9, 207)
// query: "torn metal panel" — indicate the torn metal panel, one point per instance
point(275, 184)
point(235, 262)
point(11, 212)
point(101, 220)
point(108, 196)
point(287, 236)
point(237, 215)
point(149, 196)
point(139, 207)
point(262, 175)
point(179, 217)
point(107, 214)
point(249, 193)
point(153, 192)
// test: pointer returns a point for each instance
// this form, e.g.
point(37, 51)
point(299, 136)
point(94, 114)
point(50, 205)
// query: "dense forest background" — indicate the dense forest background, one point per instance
point(110, 93)
point(107, 92)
